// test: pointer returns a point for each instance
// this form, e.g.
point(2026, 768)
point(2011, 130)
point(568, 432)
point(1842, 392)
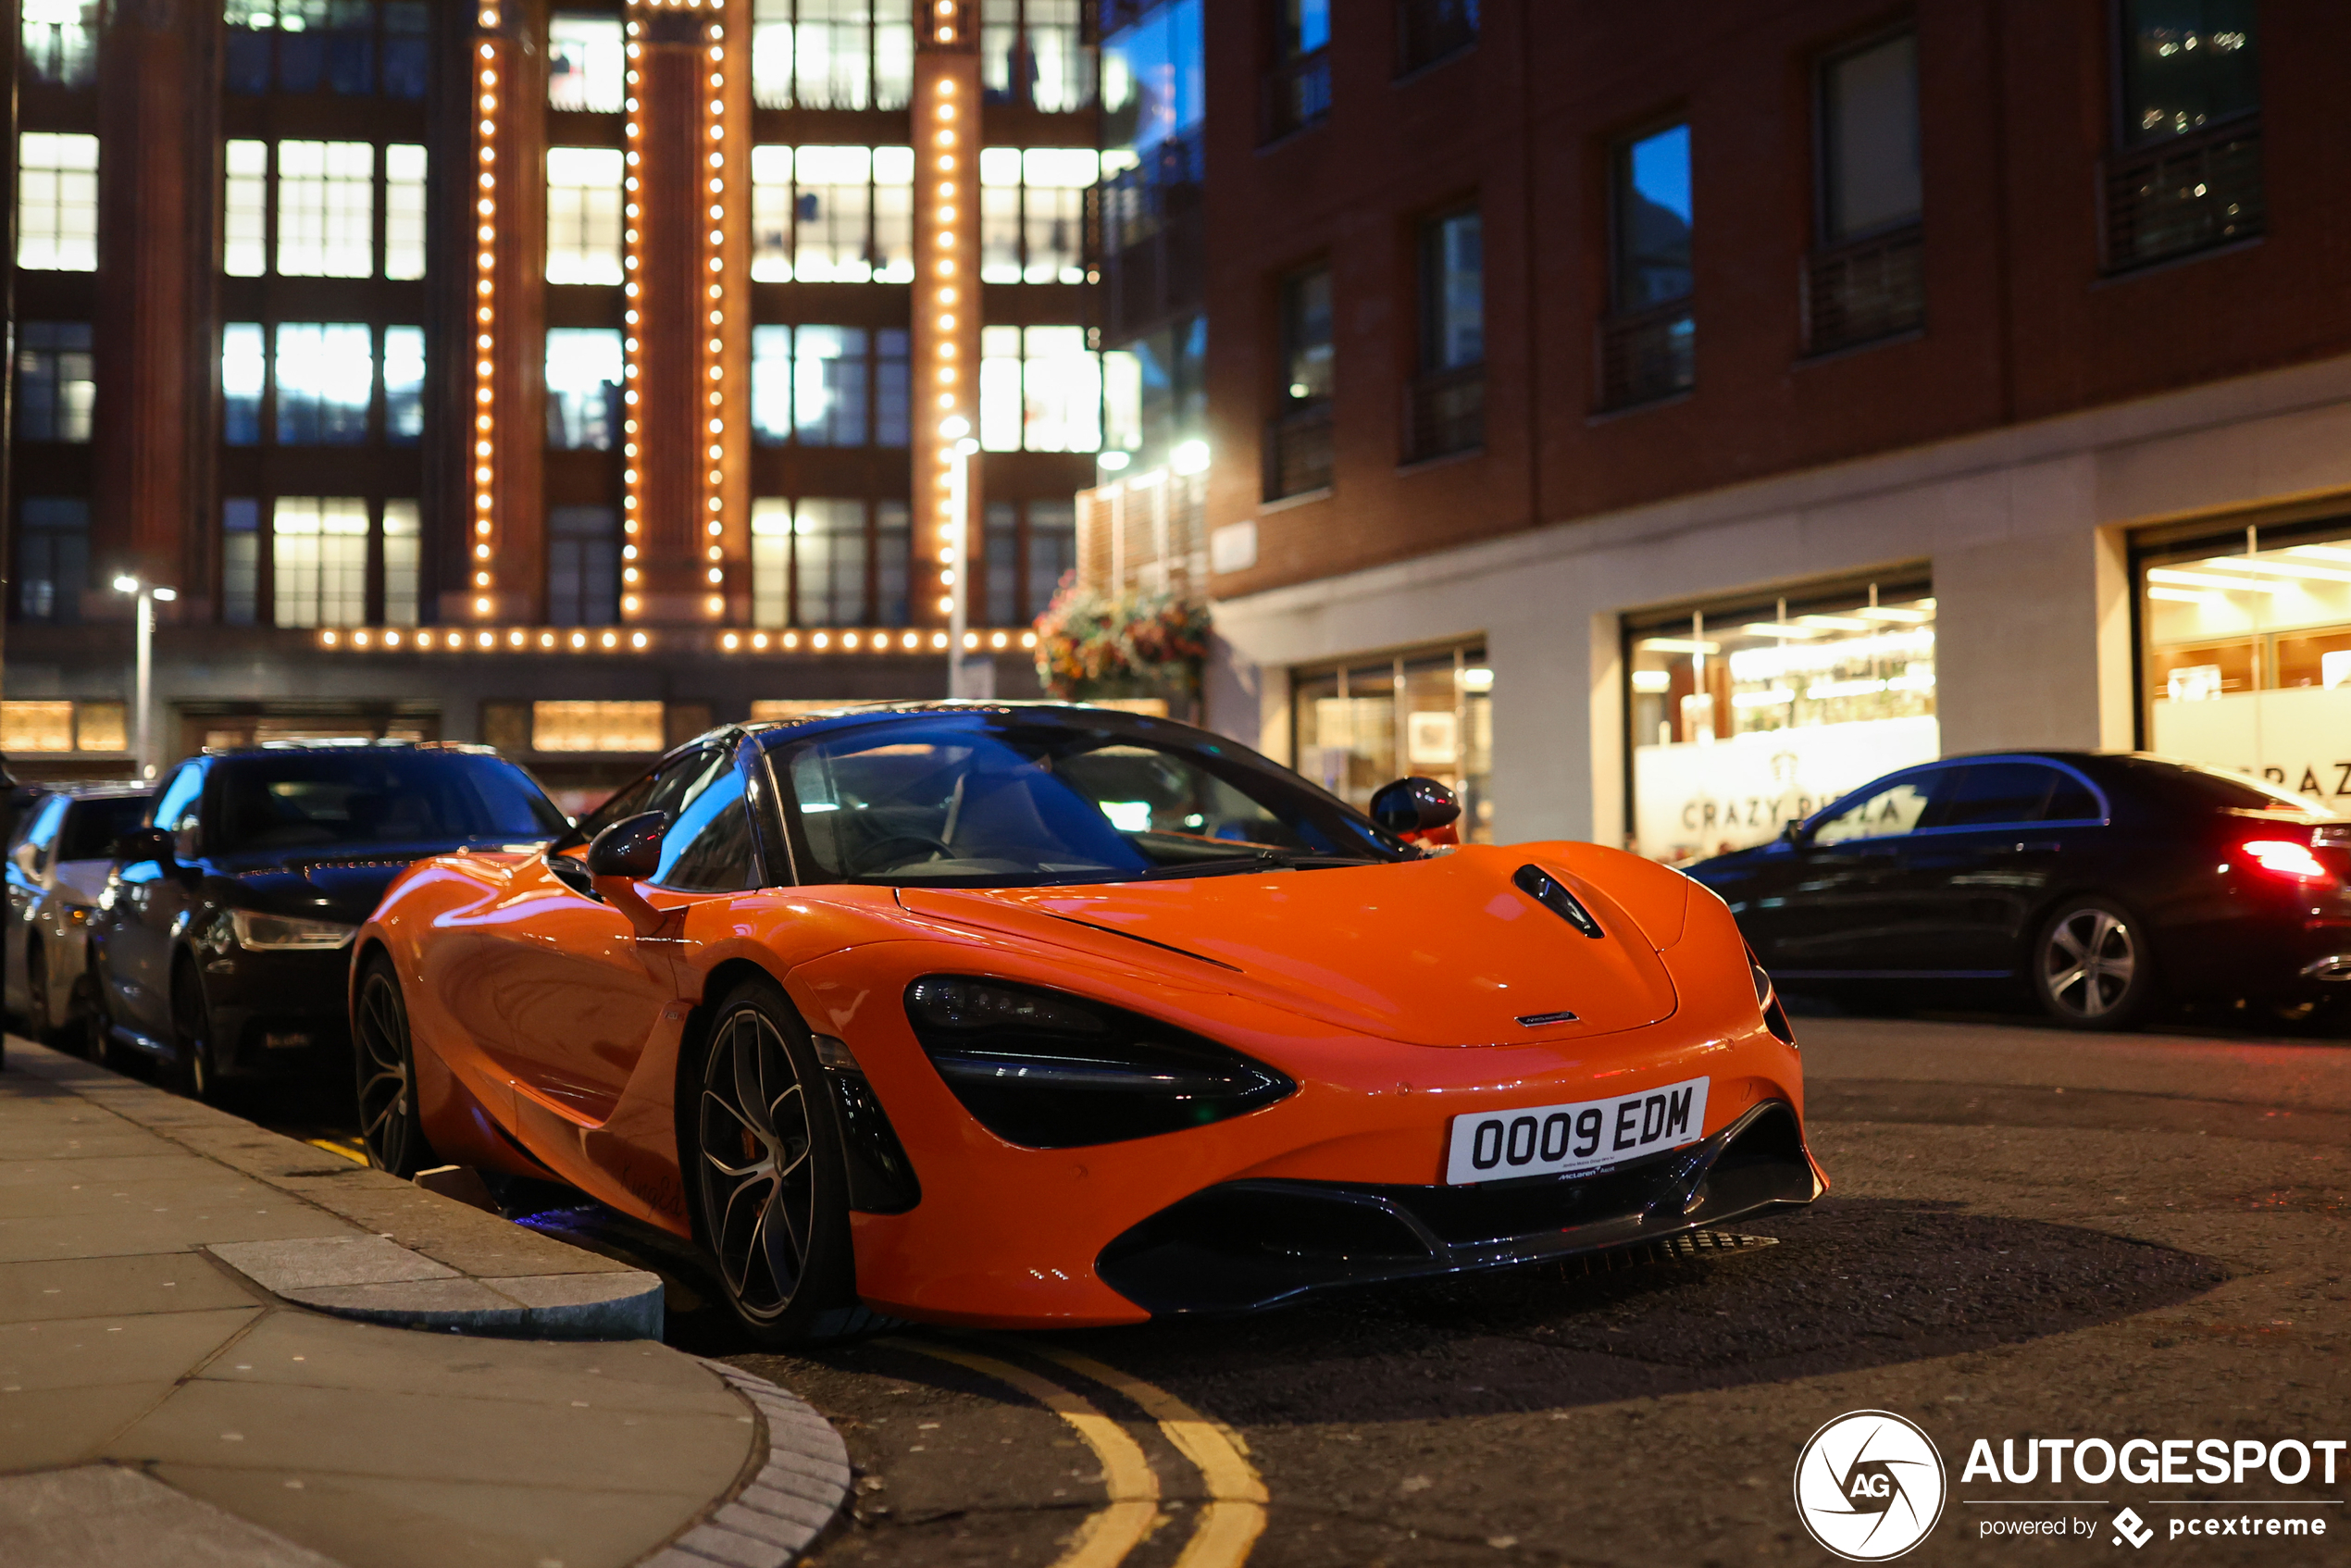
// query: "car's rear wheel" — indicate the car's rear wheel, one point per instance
point(770, 1189)
point(2091, 968)
point(391, 1122)
point(198, 1067)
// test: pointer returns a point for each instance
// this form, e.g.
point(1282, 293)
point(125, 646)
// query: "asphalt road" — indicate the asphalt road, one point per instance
point(2032, 1234)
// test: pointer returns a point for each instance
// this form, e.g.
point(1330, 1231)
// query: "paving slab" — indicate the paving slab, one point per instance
point(165, 1282)
point(91, 1352)
point(102, 1516)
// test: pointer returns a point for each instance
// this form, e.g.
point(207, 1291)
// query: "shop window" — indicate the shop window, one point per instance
point(583, 215)
point(2247, 657)
point(584, 369)
point(326, 209)
point(1743, 716)
point(404, 385)
point(1865, 281)
point(1427, 713)
point(63, 727)
point(623, 728)
point(587, 63)
point(53, 557)
point(1033, 213)
point(318, 560)
point(56, 388)
point(244, 373)
point(402, 544)
point(324, 376)
point(403, 210)
point(832, 54)
point(1041, 389)
point(240, 560)
point(583, 565)
point(56, 202)
point(59, 42)
point(1033, 52)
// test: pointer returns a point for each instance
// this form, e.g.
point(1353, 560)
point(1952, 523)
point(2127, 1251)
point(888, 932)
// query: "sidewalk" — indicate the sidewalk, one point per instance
point(160, 1406)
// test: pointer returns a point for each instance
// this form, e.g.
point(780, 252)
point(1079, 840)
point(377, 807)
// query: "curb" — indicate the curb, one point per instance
point(801, 1483)
point(376, 1280)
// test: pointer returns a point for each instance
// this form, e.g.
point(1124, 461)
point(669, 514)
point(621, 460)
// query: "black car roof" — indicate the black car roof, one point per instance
point(344, 748)
point(847, 715)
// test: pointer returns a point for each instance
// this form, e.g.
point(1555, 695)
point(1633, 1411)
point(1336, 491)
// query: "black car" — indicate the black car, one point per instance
point(2098, 881)
point(221, 946)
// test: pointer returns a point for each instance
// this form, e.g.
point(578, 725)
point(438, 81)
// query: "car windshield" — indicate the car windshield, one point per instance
point(306, 800)
point(93, 826)
point(1016, 798)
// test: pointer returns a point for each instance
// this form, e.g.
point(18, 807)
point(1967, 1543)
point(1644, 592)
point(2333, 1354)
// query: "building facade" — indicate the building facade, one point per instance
point(1661, 426)
point(568, 375)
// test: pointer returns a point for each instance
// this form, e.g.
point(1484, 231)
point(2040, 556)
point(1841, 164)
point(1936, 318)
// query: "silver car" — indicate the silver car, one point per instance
point(57, 869)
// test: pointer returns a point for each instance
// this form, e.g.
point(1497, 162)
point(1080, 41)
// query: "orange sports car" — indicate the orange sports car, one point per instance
point(1028, 1014)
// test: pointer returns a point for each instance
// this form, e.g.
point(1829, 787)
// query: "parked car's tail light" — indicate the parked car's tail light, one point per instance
point(277, 933)
point(1768, 998)
point(1048, 1070)
point(2289, 858)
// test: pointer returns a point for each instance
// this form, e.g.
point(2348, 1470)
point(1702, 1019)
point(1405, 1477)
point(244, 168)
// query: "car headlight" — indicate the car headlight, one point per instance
point(1048, 1070)
point(277, 933)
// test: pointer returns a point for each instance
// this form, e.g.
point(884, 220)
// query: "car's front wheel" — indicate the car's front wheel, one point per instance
point(391, 1122)
point(770, 1188)
point(2092, 968)
point(197, 1066)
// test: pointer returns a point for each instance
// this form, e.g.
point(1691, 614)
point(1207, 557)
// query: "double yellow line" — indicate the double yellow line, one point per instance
point(1229, 1523)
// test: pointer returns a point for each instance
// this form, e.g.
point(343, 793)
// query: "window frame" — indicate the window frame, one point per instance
point(2124, 142)
point(1823, 132)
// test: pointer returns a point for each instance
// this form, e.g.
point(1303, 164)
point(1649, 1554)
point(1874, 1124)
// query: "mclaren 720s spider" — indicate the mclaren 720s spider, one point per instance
point(1029, 1015)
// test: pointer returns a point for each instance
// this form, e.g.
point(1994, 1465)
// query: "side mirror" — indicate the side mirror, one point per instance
point(145, 844)
point(625, 854)
point(1414, 805)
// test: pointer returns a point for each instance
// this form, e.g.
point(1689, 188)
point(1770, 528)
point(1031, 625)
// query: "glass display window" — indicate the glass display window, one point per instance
point(2245, 650)
point(1747, 712)
point(1427, 712)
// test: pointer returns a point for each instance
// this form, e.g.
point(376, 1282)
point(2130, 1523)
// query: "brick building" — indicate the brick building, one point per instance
point(1655, 423)
point(565, 375)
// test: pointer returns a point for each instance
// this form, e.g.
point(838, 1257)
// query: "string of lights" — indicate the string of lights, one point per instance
point(490, 50)
point(582, 640)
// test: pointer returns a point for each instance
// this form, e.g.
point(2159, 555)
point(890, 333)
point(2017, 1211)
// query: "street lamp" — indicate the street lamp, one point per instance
point(958, 430)
point(148, 594)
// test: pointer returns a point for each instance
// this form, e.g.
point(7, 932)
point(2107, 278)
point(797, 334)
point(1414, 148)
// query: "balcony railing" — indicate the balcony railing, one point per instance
point(1861, 293)
point(1298, 450)
point(1647, 356)
point(1430, 30)
point(1297, 94)
point(1146, 235)
point(1445, 413)
point(2185, 196)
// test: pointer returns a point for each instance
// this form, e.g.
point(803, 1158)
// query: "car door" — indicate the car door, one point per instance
point(584, 991)
point(29, 872)
point(1845, 910)
point(148, 903)
point(1981, 868)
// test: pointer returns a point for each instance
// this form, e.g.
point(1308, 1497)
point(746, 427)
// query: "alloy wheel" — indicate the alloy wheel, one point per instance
point(191, 1018)
point(2088, 963)
point(758, 1170)
point(388, 1119)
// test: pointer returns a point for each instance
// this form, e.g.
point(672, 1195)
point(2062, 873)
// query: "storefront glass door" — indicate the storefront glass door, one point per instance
point(1428, 712)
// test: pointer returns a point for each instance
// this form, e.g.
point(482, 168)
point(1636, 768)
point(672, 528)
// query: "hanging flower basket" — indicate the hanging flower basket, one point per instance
point(1092, 645)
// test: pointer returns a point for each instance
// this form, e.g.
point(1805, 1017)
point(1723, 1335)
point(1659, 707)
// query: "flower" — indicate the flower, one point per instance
point(1090, 642)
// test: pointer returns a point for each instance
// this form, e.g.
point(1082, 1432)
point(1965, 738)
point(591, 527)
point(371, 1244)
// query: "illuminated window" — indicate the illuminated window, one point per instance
point(404, 385)
point(1028, 546)
point(583, 566)
point(245, 211)
point(828, 560)
point(587, 63)
point(841, 215)
point(1041, 389)
point(56, 202)
point(1123, 400)
point(53, 557)
point(829, 386)
point(60, 42)
point(318, 560)
point(1033, 213)
point(240, 560)
point(583, 215)
point(55, 386)
point(1052, 552)
point(324, 377)
point(326, 209)
point(1033, 52)
point(403, 210)
point(771, 562)
point(401, 543)
point(583, 388)
point(245, 372)
point(597, 727)
point(832, 54)
point(328, 45)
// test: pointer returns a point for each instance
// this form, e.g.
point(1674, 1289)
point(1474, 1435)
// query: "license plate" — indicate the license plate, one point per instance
point(1564, 1139)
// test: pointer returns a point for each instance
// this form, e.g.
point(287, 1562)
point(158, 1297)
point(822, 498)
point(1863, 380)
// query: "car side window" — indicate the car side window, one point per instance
point(1881, 813)
point(709, 848)
point(177, 810)
point(1996, 795)
point(2072, 800)
point(664, 788)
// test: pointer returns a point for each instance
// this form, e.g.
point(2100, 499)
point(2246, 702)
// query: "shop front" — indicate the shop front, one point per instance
point(1425, 711)
point(1748, 712)
point(2245, 650)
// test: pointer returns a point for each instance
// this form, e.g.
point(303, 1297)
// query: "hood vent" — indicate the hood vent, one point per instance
point(1545, 890)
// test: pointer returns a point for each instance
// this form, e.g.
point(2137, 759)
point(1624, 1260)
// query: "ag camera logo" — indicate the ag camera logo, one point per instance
point(1870, 1485)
